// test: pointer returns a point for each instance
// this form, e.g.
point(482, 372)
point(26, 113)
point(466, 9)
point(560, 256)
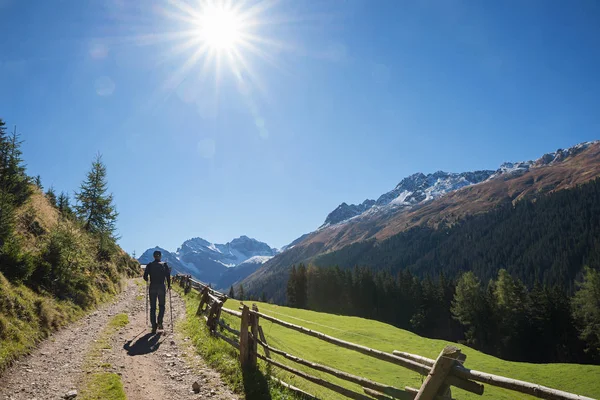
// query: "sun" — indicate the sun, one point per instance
point(219, 27)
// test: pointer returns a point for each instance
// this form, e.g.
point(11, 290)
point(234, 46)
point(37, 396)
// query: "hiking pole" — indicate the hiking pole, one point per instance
point(171, 306)
point(146, 303)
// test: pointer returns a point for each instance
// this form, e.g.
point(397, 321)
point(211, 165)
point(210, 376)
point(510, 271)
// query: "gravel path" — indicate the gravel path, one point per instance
point(160, 366)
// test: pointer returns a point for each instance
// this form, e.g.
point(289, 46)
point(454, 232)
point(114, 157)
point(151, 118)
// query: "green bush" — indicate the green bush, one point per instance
point(15, 264)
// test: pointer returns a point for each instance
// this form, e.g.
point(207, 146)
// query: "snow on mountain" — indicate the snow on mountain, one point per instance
point(209, 261)
point(257, 260)
point(419, 188)
point(170, 258)
point(412, 190)
point(241, 271)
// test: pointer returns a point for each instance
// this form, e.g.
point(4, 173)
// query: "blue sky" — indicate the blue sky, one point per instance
point(338, 101)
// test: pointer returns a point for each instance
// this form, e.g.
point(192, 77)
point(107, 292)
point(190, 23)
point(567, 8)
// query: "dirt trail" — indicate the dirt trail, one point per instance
point(160, 366)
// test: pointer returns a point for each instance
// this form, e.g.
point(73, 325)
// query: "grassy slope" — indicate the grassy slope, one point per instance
point(579, 379)
point(26, 317)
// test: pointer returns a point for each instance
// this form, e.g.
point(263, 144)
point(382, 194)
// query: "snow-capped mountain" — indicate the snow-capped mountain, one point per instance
point(168, 257)
point(412, 190)
point(229, 254)
point(209, 261)
point(240, 271)
point(435, 200)
point(420, 188)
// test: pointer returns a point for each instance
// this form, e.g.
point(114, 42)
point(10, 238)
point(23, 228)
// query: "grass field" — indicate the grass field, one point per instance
point(579, 379)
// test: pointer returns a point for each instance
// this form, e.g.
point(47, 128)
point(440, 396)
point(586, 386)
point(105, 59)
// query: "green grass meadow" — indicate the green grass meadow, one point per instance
point(579, 379)
point(253, 385)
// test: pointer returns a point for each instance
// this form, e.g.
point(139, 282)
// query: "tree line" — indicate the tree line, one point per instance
point(509, 282)
point(62, 261)
point(501, 317)
point(545, 241)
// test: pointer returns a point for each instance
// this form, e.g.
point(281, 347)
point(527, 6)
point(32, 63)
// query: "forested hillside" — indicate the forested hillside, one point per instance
point(547, 241)
point(56, 260)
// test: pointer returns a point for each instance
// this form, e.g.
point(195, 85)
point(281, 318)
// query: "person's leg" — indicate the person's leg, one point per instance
point(153, 298)
point(161, 306)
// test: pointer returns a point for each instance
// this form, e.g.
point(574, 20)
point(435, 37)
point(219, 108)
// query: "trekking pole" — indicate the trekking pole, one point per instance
point(146, 303)
point(171, 306)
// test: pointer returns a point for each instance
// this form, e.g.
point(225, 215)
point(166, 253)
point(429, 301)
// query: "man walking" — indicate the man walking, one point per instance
point(159, 273)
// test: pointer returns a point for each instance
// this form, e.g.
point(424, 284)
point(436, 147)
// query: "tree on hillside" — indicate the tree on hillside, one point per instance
point(231, 293)
point(510, 304)
point(586, 309)
point(292, 299)
point(467, 307)
point(38, 182)
point(13, 178)
point(51, 196)
point(7, 216)
point(301, 287)
point(95, 207)
point(64, 205)
point(241, 293)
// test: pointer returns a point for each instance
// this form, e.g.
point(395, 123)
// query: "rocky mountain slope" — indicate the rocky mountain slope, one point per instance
point(434, 200)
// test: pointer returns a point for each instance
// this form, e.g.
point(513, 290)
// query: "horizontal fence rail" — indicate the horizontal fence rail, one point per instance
point(440, 374)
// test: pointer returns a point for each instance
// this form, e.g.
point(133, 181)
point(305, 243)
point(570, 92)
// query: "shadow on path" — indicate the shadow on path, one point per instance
point(146, 344)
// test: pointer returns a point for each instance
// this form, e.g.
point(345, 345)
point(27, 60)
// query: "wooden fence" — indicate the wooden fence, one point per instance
point(440, 374)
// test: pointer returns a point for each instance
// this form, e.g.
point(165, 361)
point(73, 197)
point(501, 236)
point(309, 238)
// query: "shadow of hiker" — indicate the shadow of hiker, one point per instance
point(146, 344)
point(256, 386)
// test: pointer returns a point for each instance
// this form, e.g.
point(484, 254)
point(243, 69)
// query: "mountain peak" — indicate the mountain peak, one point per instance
point(419, 187)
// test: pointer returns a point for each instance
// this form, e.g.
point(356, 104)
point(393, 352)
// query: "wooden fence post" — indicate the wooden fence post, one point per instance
point(261, 334)
point(213, 315)
point(244, 336)
point(254, 337)
point(434, 383)
point(188, 285)
point(262, 338)
point(203, 300)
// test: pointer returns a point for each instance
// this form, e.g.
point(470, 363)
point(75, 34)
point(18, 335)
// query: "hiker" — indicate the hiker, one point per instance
point(158, 272)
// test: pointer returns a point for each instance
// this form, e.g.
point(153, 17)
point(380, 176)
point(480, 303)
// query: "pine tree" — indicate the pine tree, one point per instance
point(231, 293)
point(586, 309)
point(38, 182)
point(63, 205)
point(95, 207)
point(292, 298)
point(241, 293)
point(301, 287)
point(13, 178)
point(466, 305)
point(51, 196)
point(13, 182)
point(7, 216)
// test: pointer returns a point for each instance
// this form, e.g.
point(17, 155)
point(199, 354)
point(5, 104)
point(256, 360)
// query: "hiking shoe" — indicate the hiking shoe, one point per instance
point(160, 326)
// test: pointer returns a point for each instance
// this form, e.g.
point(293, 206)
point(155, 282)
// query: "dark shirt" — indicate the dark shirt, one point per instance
point(158, 272)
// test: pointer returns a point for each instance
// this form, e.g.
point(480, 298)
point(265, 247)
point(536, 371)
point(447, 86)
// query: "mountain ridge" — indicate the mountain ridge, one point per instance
point(209, 261)
point(511, 182)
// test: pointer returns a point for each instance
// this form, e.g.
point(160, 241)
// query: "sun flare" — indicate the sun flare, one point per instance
point(220, 28)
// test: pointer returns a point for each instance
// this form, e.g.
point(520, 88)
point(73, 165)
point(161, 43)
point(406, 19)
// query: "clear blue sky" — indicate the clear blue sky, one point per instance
point(337, 101)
